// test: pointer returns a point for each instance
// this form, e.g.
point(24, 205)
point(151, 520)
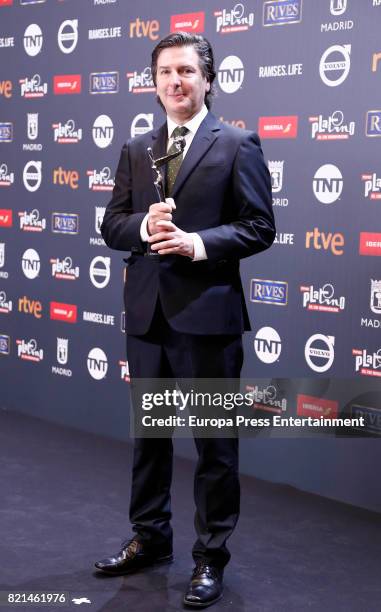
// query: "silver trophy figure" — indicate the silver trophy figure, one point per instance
point(156, 164)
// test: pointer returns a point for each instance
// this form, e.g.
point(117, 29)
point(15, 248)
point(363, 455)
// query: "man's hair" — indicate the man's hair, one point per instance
point(205, 54)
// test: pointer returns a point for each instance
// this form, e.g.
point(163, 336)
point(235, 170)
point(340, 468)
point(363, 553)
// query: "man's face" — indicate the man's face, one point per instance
point(180, 84)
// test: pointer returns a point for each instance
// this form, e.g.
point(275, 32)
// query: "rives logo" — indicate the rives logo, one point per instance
point(5, 344)
point(373, 123)
point(268, 291)
point(104, 82)
point(65, 223)
point(282, 12)
point(6, 131)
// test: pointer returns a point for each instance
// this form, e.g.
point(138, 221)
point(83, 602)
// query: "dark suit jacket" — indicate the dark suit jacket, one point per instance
point(222, 192)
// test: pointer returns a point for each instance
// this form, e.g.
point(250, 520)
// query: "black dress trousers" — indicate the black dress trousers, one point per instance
point(165, 353)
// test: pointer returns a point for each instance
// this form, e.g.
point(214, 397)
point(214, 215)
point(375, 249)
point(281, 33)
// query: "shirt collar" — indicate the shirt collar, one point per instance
point(192, 125)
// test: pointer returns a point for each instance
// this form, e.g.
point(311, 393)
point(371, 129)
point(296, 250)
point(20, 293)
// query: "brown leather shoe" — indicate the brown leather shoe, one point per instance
point(134, 556)
point(205, 587)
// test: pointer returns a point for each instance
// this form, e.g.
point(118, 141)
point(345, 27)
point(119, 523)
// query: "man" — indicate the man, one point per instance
point(185, 309)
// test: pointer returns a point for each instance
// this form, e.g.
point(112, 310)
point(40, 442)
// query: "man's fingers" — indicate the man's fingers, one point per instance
point(167, 235)
point(160, 207)
point(166, 244)
point(167, 224)
point(171, 201)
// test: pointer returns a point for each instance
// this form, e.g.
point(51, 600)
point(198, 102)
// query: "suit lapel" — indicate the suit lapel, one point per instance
point(204, 138)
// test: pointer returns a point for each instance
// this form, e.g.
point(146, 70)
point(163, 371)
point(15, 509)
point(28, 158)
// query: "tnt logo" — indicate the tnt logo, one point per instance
point(267, 345)
point(231, 74)
point(97, 363)
point(33, 40)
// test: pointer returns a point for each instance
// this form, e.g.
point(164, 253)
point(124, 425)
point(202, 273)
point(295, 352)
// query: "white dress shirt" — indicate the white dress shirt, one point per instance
point(192, 125)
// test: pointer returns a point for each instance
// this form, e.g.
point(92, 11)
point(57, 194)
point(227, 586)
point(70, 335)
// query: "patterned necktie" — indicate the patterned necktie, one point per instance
point(174, 164)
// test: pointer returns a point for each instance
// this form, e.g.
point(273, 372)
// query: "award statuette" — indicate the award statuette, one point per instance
point(156, 164)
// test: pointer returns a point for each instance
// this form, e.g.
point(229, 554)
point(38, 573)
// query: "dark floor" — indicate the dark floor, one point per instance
point(65, 504)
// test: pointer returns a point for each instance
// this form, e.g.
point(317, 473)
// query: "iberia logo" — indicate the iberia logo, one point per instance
point(5, 217)
point(63, 312)
point(188, 22)
point(66, 84)
point(278, 127)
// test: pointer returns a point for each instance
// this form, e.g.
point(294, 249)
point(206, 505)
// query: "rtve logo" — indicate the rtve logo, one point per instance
point(320, 240)
point(144, 29)
point(66, 177)
point(6, 89)
point(28, 306)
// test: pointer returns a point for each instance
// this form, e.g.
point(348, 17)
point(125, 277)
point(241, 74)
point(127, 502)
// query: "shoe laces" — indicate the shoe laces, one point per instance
point(203, 567)
point(130, 547)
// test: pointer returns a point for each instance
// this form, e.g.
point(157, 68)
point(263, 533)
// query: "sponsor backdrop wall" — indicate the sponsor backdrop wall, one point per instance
point(75, 84)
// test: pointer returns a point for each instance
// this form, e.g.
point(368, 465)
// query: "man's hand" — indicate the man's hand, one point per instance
point(160, 211)
point(171, 240)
